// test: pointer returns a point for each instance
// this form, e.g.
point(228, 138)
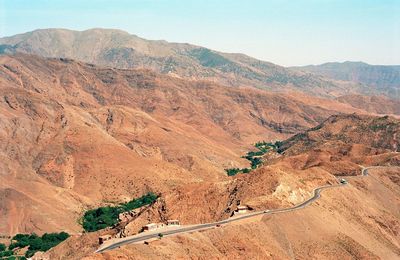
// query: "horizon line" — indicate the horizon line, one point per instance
point(194, 44)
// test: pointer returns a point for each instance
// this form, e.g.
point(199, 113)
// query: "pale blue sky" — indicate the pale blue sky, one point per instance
point(286, 32)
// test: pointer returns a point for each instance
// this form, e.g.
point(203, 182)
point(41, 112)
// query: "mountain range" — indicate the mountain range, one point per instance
point(93, 119)
point(382, 79)
point(116, 48)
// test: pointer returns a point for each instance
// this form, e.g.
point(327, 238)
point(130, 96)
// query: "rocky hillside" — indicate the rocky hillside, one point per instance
point(375, 132)
point(356, 221)
point(373, 104)
point(119, 49)
point(374, 79)
point(74, 135)
point(343, 142)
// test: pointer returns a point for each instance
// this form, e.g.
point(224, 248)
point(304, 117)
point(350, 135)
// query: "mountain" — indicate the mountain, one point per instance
point(115, 48)
point(74, 136)
point(99, 117)
point(359, 220)
point(375, 79)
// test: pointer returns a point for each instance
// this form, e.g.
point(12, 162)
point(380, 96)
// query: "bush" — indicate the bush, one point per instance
point(137, 203)
point(255, 162)
point(254, 157)
point(29, 253)
point(278, 144)
point(36, 243)
point(2, 247)
point(100, 218)
point(232, 171)
point(246, 170)
point(22, 240)
point(14, 257)
point(252, 154)
point(6, 253)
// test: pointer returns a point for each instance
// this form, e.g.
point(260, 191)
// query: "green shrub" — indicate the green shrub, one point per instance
point(22, 240)
point(36, 243)
point(2, 247)
point(255, 162)
point(100, 218)
point(278, 144)
point(137, 203)
point(254, 157)
point(246, 170)
point(29, 253)
point(232, 171)
point(6, 253)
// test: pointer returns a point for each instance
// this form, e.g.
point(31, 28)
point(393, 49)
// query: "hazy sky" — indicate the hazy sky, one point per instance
point(286, 32)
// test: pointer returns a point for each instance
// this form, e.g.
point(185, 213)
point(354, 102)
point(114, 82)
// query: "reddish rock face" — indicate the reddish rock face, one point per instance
point(75, 136)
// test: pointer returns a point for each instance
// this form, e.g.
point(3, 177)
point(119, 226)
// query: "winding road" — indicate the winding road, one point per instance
point(142, 237)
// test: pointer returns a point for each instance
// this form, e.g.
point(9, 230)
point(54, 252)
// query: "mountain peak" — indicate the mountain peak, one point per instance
point(116, 48)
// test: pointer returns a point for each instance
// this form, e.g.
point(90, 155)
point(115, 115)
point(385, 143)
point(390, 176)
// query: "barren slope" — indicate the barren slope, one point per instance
point(360, 220)
point(74, 135)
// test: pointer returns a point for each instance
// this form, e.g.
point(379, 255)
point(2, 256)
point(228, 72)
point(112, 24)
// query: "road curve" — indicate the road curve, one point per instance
point(141, 237)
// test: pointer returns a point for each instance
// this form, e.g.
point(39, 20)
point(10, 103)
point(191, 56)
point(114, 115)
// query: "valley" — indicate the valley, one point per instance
point(99, 138)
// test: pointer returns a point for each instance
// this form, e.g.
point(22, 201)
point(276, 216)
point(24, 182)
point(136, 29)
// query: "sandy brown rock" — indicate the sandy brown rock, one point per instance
point(75, 136)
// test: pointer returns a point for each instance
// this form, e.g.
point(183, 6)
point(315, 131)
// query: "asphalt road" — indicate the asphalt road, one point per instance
point(142, 237)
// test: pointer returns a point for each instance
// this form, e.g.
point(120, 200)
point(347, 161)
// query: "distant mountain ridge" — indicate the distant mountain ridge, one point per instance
point(383, 79)
point(116, 48)
point(119, 49)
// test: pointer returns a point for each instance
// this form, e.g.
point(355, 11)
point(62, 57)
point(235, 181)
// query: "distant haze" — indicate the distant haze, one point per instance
point(285, 32)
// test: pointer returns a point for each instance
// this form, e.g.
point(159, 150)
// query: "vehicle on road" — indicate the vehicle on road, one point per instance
point(343, 181)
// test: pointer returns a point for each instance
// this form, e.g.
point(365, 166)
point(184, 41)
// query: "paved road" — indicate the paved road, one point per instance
point(185, 229)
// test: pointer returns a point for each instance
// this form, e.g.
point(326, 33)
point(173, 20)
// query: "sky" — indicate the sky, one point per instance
point(285, 32)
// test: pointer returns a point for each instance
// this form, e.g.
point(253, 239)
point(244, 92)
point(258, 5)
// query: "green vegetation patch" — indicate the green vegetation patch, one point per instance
point(34, 243)
point(100, 218)
point(255, 157)
point(6, 253)
point(13, 257)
